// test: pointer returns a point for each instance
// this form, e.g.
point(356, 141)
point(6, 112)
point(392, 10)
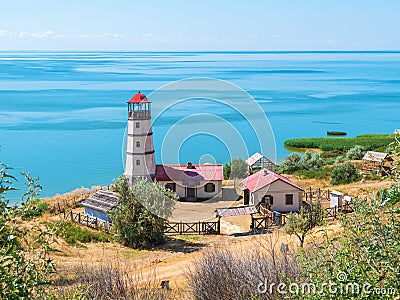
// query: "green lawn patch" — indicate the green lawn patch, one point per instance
point(74, 234)
point(367, 141)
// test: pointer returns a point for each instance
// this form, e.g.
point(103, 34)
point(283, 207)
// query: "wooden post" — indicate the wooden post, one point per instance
point(180, 227)
point(199, 229)
point(219, 225)
point(79, 218)
point(95, 222)
point(72, 217)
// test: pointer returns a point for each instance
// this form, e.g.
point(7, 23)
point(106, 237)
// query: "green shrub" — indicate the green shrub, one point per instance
point(340, 159)
point(366, 141)
point(34, 208)
point(74, 234)
point(322, 173)
point(344, 174)
point(312, 161)
point(291, 164)
point(295, 162)
point(355, 153)
point(366, 252)
point(25, 265)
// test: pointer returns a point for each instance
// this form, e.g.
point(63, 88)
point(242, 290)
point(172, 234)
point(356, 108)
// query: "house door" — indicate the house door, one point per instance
point(190, 192)
point(246, 197)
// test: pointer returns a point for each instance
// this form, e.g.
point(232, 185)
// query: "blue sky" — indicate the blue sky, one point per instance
point(150, 25)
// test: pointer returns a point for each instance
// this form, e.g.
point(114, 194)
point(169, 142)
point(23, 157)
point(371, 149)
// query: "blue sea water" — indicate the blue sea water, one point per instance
point(63, 115)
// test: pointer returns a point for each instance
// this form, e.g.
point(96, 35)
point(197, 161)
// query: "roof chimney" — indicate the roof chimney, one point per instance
point(189, 165)
point(265, 172)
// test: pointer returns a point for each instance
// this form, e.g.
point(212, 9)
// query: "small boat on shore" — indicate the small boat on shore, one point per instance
point(340, 133)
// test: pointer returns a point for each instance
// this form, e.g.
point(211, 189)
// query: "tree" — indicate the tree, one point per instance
point(301, 223)
point(344, 174)
point(239, 168)
point(24, 261)
point(139, 218)
point(227, 171)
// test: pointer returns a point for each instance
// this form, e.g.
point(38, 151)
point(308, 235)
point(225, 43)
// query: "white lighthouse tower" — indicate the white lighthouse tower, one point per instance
point(140, 150)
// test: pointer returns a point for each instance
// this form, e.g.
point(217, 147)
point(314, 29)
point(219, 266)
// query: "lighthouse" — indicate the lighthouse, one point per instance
point(140, 160)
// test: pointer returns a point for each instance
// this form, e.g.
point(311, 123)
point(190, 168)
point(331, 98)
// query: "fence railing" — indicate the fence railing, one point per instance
point(192, 227)
point(333, 212)
point(87, 221)
point(311, 195)
point(169, 227)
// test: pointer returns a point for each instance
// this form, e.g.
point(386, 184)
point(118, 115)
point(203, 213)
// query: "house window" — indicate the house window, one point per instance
point(289, 199)
point(268, 199)
point(209, 188)
point(171, 186)
point(137, 144)
point(137, 125)
point(138, 162)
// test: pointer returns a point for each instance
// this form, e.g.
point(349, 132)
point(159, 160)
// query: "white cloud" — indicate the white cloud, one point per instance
point(25, 35)
point(51, 34)
point(101, 36)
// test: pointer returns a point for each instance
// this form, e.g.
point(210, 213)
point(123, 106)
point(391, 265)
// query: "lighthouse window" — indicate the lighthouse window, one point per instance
point(138, 162)
point(137, 144)
point(137, 125)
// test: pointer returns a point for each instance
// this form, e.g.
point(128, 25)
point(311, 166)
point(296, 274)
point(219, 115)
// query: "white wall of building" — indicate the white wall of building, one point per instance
point(278, 190)
point(200, 192)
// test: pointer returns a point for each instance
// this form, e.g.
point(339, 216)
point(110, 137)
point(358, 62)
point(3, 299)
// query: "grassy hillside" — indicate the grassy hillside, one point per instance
point(367, 141)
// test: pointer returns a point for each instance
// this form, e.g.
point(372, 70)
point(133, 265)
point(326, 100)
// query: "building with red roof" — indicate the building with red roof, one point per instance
point(191, 181)
point(275, 191)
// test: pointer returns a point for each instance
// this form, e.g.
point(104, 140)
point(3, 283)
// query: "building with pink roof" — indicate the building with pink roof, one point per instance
point(272, 190)
point(191, 182)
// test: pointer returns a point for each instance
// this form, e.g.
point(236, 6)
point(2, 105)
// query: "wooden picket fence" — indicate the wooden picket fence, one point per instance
point(88, 221)
point(192, 227)
point(334, 212)
point(311, 195)
point(169, 227)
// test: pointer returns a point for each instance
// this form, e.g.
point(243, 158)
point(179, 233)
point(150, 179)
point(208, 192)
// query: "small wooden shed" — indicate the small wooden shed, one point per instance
point(258, 161)
point(376, 161)
point(99, 204)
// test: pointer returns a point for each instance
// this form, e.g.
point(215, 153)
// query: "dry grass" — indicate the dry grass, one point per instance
point(234, 273)
point(70, 200)
point(361, 188)
point(111, 279)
